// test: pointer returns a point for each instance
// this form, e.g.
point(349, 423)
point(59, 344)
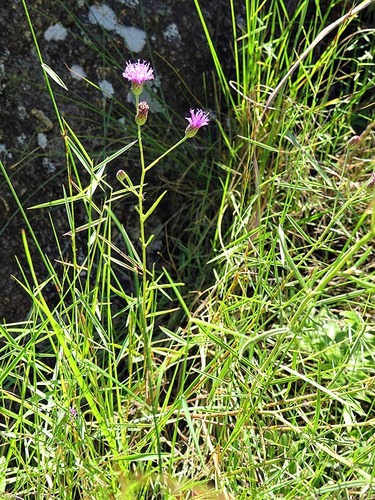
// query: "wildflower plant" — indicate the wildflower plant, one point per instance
point(86, 290)
point(138, 73)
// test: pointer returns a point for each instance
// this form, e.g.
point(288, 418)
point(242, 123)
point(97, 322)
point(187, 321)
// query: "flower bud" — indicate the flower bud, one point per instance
point(354, 140)
point(120, 175)
point(142, 113)
point(137, 88)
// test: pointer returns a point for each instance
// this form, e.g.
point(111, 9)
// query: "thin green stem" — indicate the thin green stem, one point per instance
point(146, 331)
point(152, 164)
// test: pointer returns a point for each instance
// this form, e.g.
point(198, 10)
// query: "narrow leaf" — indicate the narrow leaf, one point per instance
point(154, 205)
point(55, 77)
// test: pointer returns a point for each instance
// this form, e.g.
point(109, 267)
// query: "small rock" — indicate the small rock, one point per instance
point(103, 15)
point(77, 72)
point(134, 38)
point(22, 113)
point(56, 32)
point(42, 140)
point(21, 139)
point(107, 89)
point(130, 3)
point(171, 34)
point(49, 165)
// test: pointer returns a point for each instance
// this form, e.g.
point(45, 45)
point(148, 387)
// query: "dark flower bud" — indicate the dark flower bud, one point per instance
point(141, 116)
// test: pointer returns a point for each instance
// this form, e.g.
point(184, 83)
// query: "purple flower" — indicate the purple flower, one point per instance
point(138, 73)
point(73, 412)
point(196, 120)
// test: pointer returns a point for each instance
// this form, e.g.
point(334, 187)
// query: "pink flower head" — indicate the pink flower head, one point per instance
point(73, 412)
point(196, 120)
point(138, 73)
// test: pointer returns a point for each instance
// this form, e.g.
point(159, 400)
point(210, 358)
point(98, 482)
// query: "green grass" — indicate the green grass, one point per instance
point(242, 365)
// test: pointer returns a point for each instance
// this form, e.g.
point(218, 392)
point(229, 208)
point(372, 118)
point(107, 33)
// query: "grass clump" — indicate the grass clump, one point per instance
point(263, 385)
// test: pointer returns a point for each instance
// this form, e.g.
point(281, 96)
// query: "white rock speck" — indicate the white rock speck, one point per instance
point(3, 148)
point(130, 3)
point(56, 32)
point(103, 15)
point(134, 38)
point(49, 166)
point(107, 88)
point(42, 140)
point(22, 113)
point(171, 33)
point(21, 139)
point(77, 72)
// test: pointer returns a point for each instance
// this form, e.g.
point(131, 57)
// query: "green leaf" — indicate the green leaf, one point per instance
point(154, 205)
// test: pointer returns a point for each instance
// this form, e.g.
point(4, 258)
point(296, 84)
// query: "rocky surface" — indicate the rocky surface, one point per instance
point(93, 40)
